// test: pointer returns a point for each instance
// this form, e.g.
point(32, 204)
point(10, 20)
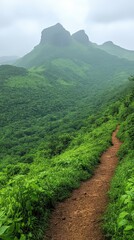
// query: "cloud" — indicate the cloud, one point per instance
point(21, 21)
point(25, 19)
point(120, 33)
point(105, 11)
point(14, 10)
point(39, 10)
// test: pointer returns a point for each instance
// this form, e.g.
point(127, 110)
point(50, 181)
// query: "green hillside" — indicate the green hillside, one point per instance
point(58, 109)
point(119, 217)
point(115, 50)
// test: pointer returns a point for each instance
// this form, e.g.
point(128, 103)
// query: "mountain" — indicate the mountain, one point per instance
point(81, 37)
point(115, 50)
point(56, 35)
point(72, 60)
point(56, 42)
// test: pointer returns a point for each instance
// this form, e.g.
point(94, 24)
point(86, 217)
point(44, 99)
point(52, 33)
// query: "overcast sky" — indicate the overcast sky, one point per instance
point(21, 21)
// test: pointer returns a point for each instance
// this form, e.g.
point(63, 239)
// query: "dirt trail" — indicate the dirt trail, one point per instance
point(79, 217)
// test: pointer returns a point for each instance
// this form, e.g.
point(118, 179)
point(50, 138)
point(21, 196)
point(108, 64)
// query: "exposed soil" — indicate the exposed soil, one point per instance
point(79, 217)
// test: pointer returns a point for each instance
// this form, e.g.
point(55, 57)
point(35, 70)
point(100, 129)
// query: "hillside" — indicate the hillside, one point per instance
point(58, 108)
point(115, 50)
point(83, 210)
point(57, 43)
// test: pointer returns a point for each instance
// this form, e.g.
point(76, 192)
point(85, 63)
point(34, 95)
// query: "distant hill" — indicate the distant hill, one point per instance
point(8, 59)
point(115, 50)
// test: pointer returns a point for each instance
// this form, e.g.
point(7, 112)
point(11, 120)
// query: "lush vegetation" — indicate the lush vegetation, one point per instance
point(37, 169)
point(56, 120)
point(44, 108)
point(49, 143)
point(30, 191)
point(119, 218)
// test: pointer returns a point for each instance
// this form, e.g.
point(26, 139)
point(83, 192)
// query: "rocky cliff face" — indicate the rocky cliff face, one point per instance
point(56, 35)
point(81, 37)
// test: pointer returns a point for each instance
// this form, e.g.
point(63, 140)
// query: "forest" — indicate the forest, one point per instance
point(58, 109)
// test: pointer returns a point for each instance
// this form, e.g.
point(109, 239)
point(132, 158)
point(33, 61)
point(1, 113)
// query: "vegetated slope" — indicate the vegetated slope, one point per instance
point(118, 51)
point(57, 43)
point(79, 217)
point(38, 106)
point(51, 128)
point(35, 108)
point(119, 218)
point(73, 62)
point(31, 190)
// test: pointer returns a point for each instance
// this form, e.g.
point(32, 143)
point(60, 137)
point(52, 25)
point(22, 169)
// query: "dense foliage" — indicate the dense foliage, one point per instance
point(56, 120)
point(44, 108)
point(119, 218)
point(30, 191)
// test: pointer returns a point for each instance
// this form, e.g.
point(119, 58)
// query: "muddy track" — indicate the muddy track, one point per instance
point(79, 217)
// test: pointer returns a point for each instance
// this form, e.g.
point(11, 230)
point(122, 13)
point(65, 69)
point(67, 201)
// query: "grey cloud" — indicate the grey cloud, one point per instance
point(106, 11)
point(21, 21)
point(22, 9)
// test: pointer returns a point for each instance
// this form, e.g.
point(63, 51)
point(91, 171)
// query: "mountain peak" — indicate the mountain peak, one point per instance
point(81, 37)
point(56, 35)
point(108, 43)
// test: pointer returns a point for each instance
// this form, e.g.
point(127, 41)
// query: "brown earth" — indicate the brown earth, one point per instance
point(79, 217)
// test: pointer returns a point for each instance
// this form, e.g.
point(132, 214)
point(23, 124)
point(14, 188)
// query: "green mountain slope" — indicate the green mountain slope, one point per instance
point(77, 48)
point(118, 219)
point(115, 50)
point(73, 62)
point(44, 155)
point(57, 116)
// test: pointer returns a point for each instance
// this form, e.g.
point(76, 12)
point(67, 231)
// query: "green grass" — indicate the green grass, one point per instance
point(119, 217)
point(31, 192)
point(56, 120)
